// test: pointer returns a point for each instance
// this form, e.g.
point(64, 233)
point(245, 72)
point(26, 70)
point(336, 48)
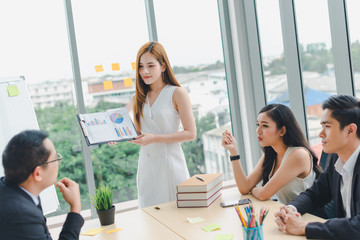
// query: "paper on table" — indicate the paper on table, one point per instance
point(211, 227)
point(92, 231)
point(114, 230)
point(195, 220)
point(226, 236)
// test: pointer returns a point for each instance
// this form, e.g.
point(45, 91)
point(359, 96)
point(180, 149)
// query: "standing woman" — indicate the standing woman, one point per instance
point(158, 107)
point(287, 167)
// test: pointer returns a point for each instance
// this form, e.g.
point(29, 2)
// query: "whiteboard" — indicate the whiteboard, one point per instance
point(17, 114)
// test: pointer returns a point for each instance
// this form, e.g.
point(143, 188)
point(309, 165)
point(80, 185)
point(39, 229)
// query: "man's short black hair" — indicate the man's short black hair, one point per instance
point(345, 109)
point(22, 154)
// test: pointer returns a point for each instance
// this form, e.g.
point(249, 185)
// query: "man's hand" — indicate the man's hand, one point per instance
point(280, 218)
point(71, 193)
point(290, 221)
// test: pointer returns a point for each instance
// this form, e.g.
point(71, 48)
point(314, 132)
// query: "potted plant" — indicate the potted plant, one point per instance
point(102, 201)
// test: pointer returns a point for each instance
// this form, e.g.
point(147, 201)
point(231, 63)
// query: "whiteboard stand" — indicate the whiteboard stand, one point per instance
point(13, 122)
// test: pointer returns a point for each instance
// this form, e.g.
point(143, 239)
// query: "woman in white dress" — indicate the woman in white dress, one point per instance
point(287, 167)
point(159, 105)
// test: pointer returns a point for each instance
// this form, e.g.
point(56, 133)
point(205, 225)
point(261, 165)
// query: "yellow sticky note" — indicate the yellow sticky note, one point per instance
point(93, 231)
point(195, 220)
point(128, 82)
point(108, 85)
point(99, 68)
point(114, 230)
point(133, 65)
point(226, 236)
point(115, 66)
point(12, 91)
point(212, 227)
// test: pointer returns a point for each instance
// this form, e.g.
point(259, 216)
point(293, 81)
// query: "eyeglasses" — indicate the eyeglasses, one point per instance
point(58, 159)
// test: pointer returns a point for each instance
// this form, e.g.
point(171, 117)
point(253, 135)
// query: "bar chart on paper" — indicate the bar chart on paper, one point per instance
point(112, 125)
point(124, 131)
point(95, 122)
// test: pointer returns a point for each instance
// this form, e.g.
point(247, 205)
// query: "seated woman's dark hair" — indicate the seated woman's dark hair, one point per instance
point(283, 116)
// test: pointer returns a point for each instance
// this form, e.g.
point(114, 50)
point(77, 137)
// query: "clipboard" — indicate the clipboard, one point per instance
point(113, 125)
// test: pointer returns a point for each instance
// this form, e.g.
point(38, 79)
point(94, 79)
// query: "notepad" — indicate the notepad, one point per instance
point(114, 230)
point(115, 66)
point(99, 68)
point(92, 231)
point(13, 91)
point(195, 220)
point(128, 82)
point(108, 85)
point(212, 227)
point(226, 236)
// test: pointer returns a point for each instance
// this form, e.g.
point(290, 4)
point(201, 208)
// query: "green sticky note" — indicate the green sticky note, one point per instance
point(13, 91)
point(195, 220)
point(212, 227)
point(227, 236)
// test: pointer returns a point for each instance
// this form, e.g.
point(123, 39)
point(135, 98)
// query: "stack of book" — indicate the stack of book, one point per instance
point(200, 190)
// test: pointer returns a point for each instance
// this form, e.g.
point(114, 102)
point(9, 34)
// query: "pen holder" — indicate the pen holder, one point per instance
point(255, 233)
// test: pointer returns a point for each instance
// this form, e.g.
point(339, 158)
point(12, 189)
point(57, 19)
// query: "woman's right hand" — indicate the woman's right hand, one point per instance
point(229, 142)
point(112, 143)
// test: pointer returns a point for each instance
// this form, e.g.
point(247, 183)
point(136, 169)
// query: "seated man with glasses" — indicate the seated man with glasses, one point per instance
point(31, 164)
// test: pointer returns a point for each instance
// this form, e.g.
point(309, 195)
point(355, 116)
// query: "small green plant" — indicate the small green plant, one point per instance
point(103, 197)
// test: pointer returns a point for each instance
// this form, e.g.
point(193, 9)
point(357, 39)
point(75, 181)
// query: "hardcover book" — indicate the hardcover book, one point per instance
point(200, 183)
point(199, 195)
point(199, 203)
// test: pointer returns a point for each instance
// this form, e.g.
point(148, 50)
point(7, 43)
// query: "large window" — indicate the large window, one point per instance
point(353, 8)
point(109, 34)
point(34, 44)
point(272, 50)
point(191, 37)
point(316, 62)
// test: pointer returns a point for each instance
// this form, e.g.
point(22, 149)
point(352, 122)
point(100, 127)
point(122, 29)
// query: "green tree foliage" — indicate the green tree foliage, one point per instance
point(276, 67)
point(117, 166)
point(315, 58)
point(193, 150)
point(114, 165)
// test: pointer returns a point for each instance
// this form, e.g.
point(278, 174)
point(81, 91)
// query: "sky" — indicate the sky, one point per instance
point(34, 40)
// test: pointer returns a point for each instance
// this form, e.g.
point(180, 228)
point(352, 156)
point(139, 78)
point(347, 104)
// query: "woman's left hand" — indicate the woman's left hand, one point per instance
point(144, 139)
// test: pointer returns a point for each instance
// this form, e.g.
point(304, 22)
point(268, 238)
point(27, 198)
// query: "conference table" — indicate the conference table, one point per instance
point(167, 221)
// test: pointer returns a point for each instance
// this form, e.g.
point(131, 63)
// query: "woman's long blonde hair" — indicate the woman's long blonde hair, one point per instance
point(158, 51)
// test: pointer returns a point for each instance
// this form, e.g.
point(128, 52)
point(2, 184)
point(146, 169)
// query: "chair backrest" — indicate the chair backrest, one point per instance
point(325, 159)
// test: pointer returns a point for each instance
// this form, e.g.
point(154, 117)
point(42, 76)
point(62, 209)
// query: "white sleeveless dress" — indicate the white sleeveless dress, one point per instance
point(161, 166)
point(297, 185)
